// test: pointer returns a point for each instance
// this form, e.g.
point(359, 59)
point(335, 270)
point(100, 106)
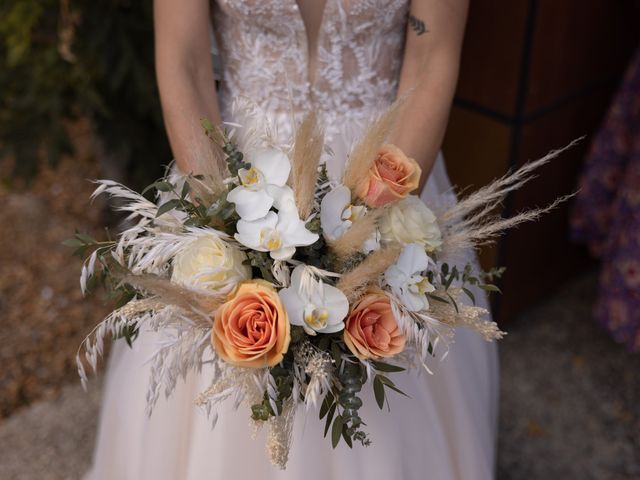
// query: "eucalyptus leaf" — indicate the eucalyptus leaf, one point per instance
point(444, 269)
point(386, 381)
point(336, 353)
point(378, 391)
point(396, 389)
point(453, 302)
point(448, 281)
point(163, 186)
point(386, 367)
point(326, 404)
point(88, 239)
point(167, 206)
point(73, 243)
point(186, 188)
point(346, 436)
point(469, 294)
point(147, 188)
point(336, 431)
point(330, 415)
point(487, 287)
point(437, 298)
point(389, 384)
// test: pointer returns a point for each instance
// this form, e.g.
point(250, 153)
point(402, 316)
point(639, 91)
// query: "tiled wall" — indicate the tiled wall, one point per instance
point(535, 74)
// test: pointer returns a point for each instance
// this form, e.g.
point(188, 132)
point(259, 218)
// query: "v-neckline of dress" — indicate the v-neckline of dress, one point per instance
point(311, 74)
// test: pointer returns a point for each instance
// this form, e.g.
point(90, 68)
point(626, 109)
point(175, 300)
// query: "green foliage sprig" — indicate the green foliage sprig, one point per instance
point(465, 278)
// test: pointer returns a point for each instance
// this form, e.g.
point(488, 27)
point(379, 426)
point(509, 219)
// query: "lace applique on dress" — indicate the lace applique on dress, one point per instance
point(263, 50)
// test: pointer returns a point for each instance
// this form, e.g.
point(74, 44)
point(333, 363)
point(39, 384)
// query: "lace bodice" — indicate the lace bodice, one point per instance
point(264, 55)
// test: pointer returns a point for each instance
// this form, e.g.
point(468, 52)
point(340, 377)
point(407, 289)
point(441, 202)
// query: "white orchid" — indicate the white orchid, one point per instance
point(338, 214)
point(277, 233)
point(405, 281)
point(263, 185)
point(312, 304)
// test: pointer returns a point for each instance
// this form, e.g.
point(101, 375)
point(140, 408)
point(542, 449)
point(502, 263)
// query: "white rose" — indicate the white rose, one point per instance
point(411, 221)
point(210, 263)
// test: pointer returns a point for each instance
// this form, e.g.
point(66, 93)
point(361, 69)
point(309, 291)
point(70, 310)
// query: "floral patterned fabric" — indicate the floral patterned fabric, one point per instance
point(606, 214)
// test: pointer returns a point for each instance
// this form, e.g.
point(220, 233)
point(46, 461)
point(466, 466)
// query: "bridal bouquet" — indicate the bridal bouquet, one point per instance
point(287, 287)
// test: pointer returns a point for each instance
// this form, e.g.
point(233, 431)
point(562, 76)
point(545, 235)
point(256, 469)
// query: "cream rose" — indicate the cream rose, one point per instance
point(411, 221)
point(210, 263)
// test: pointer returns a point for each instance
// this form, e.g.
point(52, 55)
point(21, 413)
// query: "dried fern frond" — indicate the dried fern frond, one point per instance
point(149, 250)
point(182, 347)
point(305, 158)
point(362, 229)
point(139, 208)
point(354, 283)
point(365, 151)
point(130, 315)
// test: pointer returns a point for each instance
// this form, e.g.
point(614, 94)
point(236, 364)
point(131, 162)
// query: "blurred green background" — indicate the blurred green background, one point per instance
point(62, 61)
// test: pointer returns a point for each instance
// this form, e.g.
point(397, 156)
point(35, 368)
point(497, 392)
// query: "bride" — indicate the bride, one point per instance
point(347, 59)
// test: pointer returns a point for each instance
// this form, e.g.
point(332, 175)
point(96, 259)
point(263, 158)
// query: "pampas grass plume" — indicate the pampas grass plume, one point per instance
point(305, 158)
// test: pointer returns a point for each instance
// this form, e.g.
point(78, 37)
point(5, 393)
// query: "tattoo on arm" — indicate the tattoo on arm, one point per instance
point(417, 25)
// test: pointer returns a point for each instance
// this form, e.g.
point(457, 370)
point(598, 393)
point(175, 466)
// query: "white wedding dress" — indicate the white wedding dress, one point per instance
point(447, 428)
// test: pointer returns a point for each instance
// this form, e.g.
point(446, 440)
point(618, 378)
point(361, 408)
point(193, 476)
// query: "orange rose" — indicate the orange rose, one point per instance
point(371, 330)
point(252, 328)
point(392, 177)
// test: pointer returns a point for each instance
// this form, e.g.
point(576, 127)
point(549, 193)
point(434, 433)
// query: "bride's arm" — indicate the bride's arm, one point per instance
point(185, 75)
point(430, 68)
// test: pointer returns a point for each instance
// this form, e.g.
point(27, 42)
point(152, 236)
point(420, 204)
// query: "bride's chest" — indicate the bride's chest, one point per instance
point(281, 16)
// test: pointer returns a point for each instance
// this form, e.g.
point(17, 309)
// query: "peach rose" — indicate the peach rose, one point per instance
point(371, 330)
point(252, 328)
point(392, 177)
